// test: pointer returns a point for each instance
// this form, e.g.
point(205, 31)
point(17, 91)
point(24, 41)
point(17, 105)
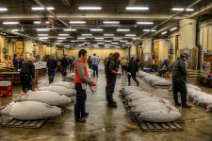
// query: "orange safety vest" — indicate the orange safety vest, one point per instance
point(77, 77)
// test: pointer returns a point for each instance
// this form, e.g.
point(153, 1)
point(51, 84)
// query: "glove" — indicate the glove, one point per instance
point(92, 84)
point(129, 74)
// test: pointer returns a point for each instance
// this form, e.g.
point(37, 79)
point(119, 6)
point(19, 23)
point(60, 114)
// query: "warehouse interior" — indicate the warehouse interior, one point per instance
point(148, 30)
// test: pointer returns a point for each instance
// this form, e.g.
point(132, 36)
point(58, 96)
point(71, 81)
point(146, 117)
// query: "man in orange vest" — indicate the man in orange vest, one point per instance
point(81, 81)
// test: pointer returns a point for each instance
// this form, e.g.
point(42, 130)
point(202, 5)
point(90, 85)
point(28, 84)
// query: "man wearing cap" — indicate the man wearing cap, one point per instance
point(179, 80)
point(51, 66)
point(112, 67)
point(27, 74)
point(81, 81)
point(64, 65)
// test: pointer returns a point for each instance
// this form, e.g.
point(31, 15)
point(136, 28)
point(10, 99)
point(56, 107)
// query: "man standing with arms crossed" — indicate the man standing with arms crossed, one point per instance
point(81, 81)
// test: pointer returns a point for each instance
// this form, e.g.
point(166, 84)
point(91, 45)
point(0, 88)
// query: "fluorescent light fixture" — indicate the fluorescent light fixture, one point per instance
point(114, 43)
point(67, 46)
point(130, 35)
point(123, 41)
point(81, 38)
point(38, 8)
point(122, 30)
point(10, 23)
point(61, 38)
point(77, 22)
point(107, 41)
point(86, 34)
point(69, 30)
point(177, 9)
point(189, 9)
point(43, 38)
point(49, 8)
point(111, 22)
point(38, 22)
point(173, 29)
point(145, 23)
point(148, 30)
point(14, 30)
point(108, 34)
point(165, 32)
point(63, 34)
point(43, 34)
point(99, 38)
point(90, 8)
point(42, 29)
point(101, 43)
point(59, 41)
point(2, 9)
point(136, 8)
point(96, 30)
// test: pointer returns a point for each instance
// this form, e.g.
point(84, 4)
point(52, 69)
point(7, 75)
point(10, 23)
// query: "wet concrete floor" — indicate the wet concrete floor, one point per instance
point(107, 124)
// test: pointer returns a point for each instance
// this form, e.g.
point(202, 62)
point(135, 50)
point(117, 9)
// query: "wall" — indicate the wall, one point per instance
point(2, 45)
point(102, 53)
point(133, 51)
point(206, 35)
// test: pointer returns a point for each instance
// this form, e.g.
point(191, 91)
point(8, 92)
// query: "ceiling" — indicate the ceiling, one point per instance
point(57, 20)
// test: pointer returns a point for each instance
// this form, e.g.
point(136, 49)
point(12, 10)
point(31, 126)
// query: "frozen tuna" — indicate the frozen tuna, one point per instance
point(163, 115)
point(51, 98)
point(30, 110)
point(59, 89)
point(193, 86)
point(203, 98)
point(63, 84)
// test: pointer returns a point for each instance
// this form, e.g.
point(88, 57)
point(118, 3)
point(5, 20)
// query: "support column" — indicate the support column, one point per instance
point(147, 52)
point(188, 41)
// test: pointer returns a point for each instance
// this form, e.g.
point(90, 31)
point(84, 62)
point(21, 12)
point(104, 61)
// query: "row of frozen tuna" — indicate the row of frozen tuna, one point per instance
point(198, 97)
point(42, 103)
point(154, 80)
point(148, 107)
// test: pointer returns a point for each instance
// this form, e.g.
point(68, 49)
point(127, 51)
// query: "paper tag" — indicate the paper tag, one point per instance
point(84, 86)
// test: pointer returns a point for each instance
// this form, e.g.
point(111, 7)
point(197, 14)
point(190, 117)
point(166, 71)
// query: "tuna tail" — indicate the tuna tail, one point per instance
point(195, 102)
point(22, 93)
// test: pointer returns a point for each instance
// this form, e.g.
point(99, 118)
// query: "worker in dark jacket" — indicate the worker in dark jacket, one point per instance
point(51, 67)
point(179, 80)
point(132, 69)
point(81, 81)
point(112, 67)
point(27, 74)
point(15, 62)
point(64, 65)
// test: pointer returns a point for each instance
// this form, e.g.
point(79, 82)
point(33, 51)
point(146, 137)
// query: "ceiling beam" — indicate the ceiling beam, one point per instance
point(92, 17)
point(131, 2)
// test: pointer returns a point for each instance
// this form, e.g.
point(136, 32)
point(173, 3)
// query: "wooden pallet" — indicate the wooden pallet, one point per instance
point(162, 127)
point(14, 123)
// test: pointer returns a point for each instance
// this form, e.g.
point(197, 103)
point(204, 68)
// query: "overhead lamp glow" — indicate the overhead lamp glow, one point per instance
point(43, 34)
point(114, 43)
point(69, 30)
point(77, 22)
point(14, 30)
point(177, 9)
point(145, 23)
point(149, 30)
point(2, 9)
point(130, 35)
point(81, 38)
point(107, 41)
point(42, 29)
point(38, 8)
point(49, 8)
point(173, 29)
point(136, 8)
point(165, 32)
point(61, 38)
point(43, 38)
point(101, 43)
point(111, 22)
point(63, 34)
point(86, 34)
point(122, 30)
point(10, 23)
point(90, 8)
point(96, 30)
point(123, 41)
point(38, 22)
point(108, 34)
point(189, 10)
point(99, 38)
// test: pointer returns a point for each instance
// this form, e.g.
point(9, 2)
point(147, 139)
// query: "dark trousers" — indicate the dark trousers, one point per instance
point(51, 74)
point(79, 107)
point(179, 86)
point(64, 71)
point(26, 82)
point(95, 70)
point(133, 75)
point(111, 82)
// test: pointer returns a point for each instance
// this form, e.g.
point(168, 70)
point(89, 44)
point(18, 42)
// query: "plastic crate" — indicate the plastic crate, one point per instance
point(6, 88)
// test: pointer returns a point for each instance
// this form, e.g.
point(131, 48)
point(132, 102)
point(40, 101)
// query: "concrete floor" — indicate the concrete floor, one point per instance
point(106, 124)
